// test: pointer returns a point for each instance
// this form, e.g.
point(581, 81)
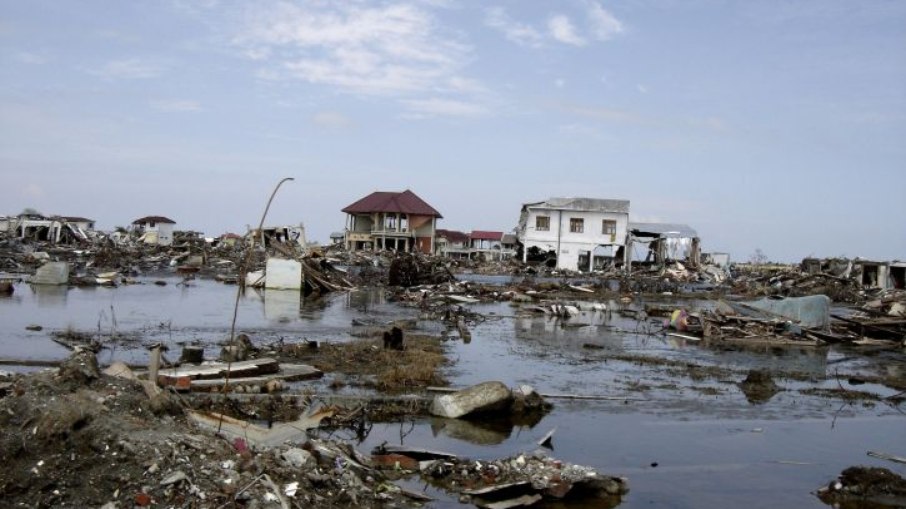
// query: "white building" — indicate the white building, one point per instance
point(575, 230)
point(155, 230)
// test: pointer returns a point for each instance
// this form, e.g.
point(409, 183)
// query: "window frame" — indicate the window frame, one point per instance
point(538, 226)
point(577, 225)
point(608, 231)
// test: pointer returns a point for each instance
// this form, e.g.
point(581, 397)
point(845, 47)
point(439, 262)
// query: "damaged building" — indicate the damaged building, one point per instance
point(574, 233)
point(488, 245)
point(155, 230)
point(661, 243)
point(52, 229)
point(451, 243)
point(396, 221)
point(290, 234)
point(883, 275)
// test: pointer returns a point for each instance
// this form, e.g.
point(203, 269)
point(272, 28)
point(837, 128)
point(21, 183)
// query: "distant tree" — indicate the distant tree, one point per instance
point(758, 258)
point(29, 211)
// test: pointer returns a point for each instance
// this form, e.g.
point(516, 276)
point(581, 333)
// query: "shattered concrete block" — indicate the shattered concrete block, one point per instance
point(81, 367)
point(526, 399)
point(51, 273)
point(283, 274)
point(484, 397)
point(298, 458)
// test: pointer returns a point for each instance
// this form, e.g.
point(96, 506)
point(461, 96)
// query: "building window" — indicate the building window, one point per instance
point(576, 225)
point(543, 223)
point(389, 222)
point(609, 227)
point(151, 224)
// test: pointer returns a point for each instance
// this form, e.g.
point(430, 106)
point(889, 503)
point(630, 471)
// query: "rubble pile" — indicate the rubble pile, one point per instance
point(790, 281)
point(522, 481)
point(412, 270)
point(77, 437)
point(865, 487)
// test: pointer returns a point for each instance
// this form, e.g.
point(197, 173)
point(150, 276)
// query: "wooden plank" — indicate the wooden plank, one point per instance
point(774, 341)
point(253, 367)
point(462, 299)
point(417, 454)
point(497, 488)
point(683, 336)
point(523, 501)
point(258, 435)
point(288, 373)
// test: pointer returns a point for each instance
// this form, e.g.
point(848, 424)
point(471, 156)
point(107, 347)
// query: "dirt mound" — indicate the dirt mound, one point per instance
point(861, 486)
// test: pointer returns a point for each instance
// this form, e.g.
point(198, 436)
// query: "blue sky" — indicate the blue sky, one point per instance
point(775, 125)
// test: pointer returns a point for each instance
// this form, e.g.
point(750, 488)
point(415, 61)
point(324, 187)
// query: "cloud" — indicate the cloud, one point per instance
point(641, 88)
point(393, 49)
point(604, 26)
point(26, 57)
point(130, 69)
point(520, 33)
point(464, 85)
point(709, 123)
point(331, 120)
point(422, 108)
point(607, 114)
point(33, 191)
point(562, 30)
point(176, 105)
point(703, 123)
point(599, 23)
point(560, 82)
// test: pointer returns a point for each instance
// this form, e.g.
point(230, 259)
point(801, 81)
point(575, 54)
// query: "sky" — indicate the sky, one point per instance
point(771, 125)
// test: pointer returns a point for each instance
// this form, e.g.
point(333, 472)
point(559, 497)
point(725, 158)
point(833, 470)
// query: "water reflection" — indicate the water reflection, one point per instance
point(363, 300)
point(282, 305)
point(485, 430)
point(810, 360)
point(50, 295)
point(587, 328)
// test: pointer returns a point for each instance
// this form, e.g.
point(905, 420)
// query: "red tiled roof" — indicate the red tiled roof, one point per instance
point(76, 219)
point(453, 235)
point(154, 219)
point(405, 202)
point(485, 235)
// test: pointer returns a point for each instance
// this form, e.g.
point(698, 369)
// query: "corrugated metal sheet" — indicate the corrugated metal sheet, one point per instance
point(663, 229)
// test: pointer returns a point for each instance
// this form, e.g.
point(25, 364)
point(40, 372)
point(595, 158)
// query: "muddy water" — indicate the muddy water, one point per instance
point(685, 439)
point(175, 314)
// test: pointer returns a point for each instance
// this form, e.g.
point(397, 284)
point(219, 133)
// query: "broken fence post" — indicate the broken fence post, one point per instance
point(154, 364)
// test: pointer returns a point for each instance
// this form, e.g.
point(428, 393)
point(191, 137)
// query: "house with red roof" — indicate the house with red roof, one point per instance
point(399, 221)
point(491, 245)
point(451, 243)
point(485, 240)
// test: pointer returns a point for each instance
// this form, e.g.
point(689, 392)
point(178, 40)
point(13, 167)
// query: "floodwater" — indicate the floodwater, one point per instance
point(684, 440)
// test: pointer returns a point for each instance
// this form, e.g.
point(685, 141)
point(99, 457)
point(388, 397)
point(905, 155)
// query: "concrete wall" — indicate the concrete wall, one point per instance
point(162, 231)
point(569, 243)
point(281, 274)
